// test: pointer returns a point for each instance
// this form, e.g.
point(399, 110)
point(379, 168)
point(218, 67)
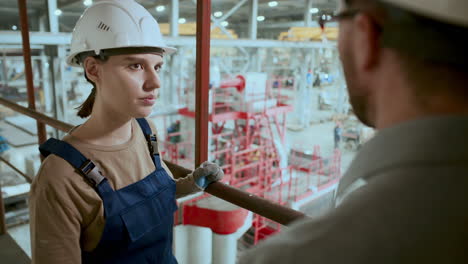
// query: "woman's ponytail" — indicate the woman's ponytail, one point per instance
point(85, 109)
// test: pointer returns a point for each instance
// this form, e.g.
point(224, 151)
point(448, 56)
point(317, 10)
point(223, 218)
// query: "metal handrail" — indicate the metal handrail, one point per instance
point(26, 177)
point(258, 205)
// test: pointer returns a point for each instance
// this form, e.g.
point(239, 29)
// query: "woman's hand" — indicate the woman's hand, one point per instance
point(207, 173)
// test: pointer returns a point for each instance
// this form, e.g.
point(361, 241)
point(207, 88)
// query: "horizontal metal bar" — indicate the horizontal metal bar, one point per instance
point(36, 115)
point(299, 23)
point(43, 38)
point(26, 177)
point(261, 206)
point(258, 205)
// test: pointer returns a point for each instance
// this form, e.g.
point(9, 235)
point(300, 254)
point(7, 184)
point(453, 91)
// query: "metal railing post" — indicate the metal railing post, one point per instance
point(2, 214)
point(41, 131)
point(202, 80)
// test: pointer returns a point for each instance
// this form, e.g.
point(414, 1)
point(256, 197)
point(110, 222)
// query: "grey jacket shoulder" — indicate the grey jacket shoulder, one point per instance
point(407, 215)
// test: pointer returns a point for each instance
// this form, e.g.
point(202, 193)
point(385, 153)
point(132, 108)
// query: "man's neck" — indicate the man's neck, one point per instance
point(397, 104)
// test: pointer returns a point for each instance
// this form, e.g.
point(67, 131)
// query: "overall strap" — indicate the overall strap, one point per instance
point(151, 140)
point(84, 166)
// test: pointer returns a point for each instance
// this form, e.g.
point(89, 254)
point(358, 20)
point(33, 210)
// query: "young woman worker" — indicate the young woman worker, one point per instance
point(103, 194)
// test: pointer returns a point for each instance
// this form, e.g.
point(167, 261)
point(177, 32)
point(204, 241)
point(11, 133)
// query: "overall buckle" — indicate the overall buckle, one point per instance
point(152, 141)
point(91, 172)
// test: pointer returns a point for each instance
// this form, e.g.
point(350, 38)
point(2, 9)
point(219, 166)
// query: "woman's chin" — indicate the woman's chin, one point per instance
point(143, 113)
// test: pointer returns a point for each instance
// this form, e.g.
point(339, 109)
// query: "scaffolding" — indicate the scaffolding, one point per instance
point(244, 126)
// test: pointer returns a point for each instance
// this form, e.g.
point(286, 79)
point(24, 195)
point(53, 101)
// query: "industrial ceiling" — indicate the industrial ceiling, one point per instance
point(278, 15)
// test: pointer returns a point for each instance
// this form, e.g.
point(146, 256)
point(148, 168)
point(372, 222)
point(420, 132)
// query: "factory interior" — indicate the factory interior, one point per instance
point(279, 121)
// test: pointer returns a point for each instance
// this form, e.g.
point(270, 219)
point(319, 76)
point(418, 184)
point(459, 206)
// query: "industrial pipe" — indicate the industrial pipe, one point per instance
point(238, 82)
point(258, 205)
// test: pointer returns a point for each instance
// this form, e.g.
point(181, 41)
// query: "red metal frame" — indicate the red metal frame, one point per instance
point(249, 156)
point(41, 131)
point(202, 80)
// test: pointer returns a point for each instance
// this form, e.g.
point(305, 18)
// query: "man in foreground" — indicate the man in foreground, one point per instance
point(404, 198)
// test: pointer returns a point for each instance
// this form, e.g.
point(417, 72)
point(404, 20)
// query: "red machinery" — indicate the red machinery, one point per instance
point(248, 155)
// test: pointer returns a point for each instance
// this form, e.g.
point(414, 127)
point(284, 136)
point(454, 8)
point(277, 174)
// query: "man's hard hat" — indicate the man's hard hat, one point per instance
point(110, 24)
point(448, 11)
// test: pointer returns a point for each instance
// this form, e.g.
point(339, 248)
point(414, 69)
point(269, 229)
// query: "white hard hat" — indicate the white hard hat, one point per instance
point(110, 24)
point(447, 11)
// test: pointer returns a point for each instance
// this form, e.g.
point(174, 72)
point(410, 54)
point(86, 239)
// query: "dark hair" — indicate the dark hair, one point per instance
point(408, 33)
point(86, 108)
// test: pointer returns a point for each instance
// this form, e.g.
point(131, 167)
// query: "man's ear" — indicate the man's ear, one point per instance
point(367, 42)
point(91, 67)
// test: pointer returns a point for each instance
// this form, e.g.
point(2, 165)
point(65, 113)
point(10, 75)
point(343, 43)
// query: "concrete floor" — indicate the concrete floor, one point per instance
point(21, 235)
point(320, 134)
point(11, 253)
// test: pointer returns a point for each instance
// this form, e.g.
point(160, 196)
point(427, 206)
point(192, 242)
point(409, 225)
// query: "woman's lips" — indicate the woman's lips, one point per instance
point(149, 100)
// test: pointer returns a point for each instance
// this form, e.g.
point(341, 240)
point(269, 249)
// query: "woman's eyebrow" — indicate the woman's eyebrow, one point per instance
point(132, 59)
point(140, 60)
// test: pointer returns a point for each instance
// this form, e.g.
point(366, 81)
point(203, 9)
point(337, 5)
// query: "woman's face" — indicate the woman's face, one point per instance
point(129, 84)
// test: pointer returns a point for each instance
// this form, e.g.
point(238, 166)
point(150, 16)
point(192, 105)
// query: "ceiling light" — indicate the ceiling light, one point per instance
point(160, 8)
point(224, 23)
point(14, 27)
point(182, 20)
point(314, 10)
point(58, 12)
point(272, 4)
point(218, 14)
point(260, 18)
point(87, 2)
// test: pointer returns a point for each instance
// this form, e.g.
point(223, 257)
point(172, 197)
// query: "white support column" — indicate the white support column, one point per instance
point(42, 23)
point(174, 18)
point(171, 94)
point(342, 106)
point(60, 89)
point(303, 96)
point(48, 100)
point(193, 244)
point(253, 19)
point(307, 14)
point(224, 249)
point(4, 69)
point(56, 56)
point(225, 246)
point(53, 19)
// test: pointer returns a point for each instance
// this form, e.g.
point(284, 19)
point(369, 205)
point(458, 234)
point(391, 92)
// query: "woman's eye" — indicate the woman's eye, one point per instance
point(158, 68)
point(136, 66)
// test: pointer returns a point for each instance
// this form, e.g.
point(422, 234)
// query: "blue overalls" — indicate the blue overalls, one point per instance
point(139, 217)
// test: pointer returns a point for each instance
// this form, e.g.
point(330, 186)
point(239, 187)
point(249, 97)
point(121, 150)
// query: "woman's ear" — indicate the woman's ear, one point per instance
point(91, 67)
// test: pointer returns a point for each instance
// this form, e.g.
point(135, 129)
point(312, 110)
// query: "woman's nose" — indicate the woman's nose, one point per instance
point(152, 80)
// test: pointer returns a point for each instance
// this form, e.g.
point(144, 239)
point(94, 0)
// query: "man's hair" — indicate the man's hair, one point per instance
point(430, 51)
